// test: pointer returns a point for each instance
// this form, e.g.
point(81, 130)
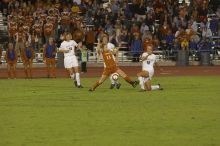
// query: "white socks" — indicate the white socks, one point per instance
point(141, 82)
point(78, 79)
point(155, 87)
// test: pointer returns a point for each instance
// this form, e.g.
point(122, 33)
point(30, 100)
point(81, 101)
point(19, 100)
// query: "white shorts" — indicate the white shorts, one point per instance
point(70, 61)
point(151, 73)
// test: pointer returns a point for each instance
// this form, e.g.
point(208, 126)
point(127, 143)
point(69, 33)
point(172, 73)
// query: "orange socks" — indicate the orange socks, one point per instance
point(127, 79)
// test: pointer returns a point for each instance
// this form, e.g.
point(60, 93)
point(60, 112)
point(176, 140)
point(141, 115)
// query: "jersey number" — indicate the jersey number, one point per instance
point(108, 57)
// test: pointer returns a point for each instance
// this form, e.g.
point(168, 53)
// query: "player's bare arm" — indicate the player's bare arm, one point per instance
point(143, 58)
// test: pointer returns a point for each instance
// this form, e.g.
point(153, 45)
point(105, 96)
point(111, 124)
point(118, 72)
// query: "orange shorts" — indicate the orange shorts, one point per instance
point(50, 61)
point(109, 70)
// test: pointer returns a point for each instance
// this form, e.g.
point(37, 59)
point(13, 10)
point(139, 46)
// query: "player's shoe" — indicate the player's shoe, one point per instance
point(160, 88)
point(91, 90)
point(80, 86)
point(112, 86)
point(134, 83)
point(75, 83)
point(118, 86)
point(142, 90)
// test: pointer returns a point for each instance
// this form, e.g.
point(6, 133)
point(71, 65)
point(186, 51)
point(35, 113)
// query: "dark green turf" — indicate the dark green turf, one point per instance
point(43, 112)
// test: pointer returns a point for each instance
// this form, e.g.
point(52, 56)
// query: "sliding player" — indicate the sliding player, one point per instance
point(111, 47)
point(110, 63)
point(145, 76)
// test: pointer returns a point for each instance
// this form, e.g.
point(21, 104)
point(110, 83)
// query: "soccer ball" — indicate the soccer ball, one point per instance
point(115, 76)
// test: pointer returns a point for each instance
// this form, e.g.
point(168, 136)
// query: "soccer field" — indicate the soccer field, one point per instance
point(50, 112)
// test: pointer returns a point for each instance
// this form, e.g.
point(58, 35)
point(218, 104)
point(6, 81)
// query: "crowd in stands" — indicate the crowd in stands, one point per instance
point(167, 24)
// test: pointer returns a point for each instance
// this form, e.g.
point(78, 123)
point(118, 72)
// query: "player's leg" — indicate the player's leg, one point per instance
point(53, 68)
point(30, 69)
point(48, 67)
point(26, 70)
point(99, 82)
point(9, 70)
point(126, 77)
point(141, 75)
point(14, 70)
point(113, 82)
point(76, 69)
point(72, 75)
point(150, 87)
point(68, 64)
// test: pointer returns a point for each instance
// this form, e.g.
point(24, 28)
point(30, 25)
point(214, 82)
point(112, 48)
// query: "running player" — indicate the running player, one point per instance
point(68, 47)
point(110, 63)
point(145, 76)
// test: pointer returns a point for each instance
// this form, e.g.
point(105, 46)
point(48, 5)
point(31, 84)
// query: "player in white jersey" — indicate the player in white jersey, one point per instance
point(68, 47)
point(145, 76)
point(114, 50)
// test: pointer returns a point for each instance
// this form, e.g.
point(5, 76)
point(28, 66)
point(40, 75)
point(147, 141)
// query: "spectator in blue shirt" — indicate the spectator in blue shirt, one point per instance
point(136, 48)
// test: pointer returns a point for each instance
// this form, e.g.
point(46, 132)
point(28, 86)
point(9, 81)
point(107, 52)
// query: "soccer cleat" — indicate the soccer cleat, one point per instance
point(160, 88)
point(118, 86)
point(134, 83)
point(91, 90)
point(112, 86)
point(80, 86)
point(75, 83)
point(142, 90)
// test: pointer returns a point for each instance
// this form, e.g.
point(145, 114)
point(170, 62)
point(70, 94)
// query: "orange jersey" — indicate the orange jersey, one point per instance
point(108, 59)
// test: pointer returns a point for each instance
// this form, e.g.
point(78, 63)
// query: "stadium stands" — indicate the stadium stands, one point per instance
point(170, 25)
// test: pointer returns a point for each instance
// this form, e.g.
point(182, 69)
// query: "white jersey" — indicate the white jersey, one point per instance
point(68, 45)
point(148, 64)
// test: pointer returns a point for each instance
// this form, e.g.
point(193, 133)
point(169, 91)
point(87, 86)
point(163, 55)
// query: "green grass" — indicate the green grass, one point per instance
point(43, 112)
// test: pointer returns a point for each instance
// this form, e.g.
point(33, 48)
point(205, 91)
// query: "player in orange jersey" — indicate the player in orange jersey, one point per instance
point(111, 65)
